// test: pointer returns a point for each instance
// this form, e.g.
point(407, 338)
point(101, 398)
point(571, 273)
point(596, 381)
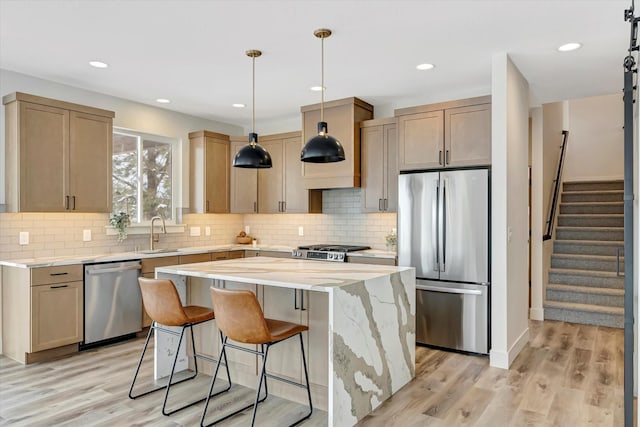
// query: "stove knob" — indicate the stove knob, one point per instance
point(340, 257)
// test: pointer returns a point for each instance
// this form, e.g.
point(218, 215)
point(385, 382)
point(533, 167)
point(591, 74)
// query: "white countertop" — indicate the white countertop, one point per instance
point(285, 272)
point(126, 256)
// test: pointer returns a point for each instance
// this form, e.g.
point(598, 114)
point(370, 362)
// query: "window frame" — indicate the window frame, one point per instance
point(176, 172)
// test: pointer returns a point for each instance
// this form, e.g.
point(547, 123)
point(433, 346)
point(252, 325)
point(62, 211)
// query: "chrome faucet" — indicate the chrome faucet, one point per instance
point(154, 238)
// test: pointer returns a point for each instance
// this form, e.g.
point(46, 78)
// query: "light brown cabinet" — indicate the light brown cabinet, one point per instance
point(379, 165)
point(343, 118)
point(41, 312)
point(209, 174)
point(244, 182)
point(58, 155)
point(281, 188)
point(449, 134)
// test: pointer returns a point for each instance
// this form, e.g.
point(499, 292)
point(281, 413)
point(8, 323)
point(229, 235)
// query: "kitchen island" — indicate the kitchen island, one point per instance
point(368, 337)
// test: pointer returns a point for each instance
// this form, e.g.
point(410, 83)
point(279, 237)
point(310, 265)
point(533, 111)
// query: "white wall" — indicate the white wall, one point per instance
point(595, 132)
point(510, 228)
point(129, 114)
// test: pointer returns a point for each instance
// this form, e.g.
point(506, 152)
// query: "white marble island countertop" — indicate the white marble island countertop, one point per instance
point(370, 329)
point(285, 272)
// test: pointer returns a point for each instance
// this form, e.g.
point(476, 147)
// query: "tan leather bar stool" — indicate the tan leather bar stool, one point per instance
point(240, 318)
point(162, 302)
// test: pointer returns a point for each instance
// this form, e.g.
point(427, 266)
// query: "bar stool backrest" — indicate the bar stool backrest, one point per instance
point(162, 302)
point(239, 315)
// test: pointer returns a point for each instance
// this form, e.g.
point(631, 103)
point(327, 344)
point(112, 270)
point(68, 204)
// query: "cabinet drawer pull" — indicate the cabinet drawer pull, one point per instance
point(59, 286)
point(440, 157)
point(58, 274)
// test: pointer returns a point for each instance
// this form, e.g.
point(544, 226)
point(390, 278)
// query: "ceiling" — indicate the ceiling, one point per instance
point(193, 52)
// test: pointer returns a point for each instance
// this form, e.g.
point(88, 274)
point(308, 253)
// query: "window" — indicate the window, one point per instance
point(144, 175)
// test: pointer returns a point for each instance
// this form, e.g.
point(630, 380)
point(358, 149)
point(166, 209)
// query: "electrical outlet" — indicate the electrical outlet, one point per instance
point(194, 231)
point(247, 229)
point(207, 231)
point(301, 231)
point(24, 237)
point(86, 235)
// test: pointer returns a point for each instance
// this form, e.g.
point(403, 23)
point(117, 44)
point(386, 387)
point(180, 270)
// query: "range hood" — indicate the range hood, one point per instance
point(343, 117)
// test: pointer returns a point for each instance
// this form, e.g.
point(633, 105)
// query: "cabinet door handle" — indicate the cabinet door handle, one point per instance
point(440, 157)
point(59, 286)
point(74, 202)
point(302, 307)
point(386, 204)
point(255, 206)
point(380, 208)
point(284, 206)
point(66, 202)
point(207, 208)
point(446, 158)
point(295, 300)
point(58, 274)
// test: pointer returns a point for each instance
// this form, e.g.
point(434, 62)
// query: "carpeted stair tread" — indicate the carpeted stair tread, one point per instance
point(585, 307)
point(588, 257)
point(586, 289)
point(595, 242)
point(607, 274)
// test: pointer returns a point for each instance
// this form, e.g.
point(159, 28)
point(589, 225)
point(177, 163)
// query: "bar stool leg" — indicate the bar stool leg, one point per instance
point(135, 376)
point(262, 378)
point(306, 377)
point(173, 368)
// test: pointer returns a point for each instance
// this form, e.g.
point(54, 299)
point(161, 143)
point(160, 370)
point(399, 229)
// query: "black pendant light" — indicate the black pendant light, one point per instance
point(253, 155)
point(322, 148)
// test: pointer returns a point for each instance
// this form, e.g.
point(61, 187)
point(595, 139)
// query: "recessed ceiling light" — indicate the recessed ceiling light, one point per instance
point(238, 105)
point(98, 64)
point(569, 47)
point(317, 88)
point(423, 67)
point(163, 101)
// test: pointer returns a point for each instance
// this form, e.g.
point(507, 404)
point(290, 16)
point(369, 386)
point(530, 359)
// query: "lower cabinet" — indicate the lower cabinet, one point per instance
point(56, 315)
point(285, 359)
point(41, 312)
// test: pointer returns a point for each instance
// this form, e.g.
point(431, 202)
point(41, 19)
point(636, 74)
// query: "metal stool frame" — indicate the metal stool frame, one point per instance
point(196, 356)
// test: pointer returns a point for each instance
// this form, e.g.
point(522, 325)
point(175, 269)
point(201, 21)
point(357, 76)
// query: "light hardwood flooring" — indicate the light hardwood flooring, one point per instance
point(568, 375)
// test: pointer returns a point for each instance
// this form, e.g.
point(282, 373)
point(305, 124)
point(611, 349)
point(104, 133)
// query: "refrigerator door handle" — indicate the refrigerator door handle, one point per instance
point(448, 290)
point(443, 227)
point(435, 243)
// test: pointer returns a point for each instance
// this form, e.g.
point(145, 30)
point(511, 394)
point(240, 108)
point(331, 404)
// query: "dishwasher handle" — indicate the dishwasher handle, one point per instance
point(448, 290)
point(113, 270)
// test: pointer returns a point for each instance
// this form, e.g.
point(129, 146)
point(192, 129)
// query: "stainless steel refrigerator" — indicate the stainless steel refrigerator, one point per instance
point(443, 231)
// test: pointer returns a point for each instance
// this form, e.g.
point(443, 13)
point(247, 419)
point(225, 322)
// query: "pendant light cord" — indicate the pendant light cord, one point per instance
point(253, 101)
point(322, 79)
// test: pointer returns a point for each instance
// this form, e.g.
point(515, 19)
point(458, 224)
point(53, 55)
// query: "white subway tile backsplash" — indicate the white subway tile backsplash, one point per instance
point(60, 234)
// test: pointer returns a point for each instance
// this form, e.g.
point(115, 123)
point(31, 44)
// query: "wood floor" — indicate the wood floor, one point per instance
point(568, 375)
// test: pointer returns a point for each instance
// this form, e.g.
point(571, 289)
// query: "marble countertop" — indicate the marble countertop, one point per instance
point(284, 272)
point(126, 256)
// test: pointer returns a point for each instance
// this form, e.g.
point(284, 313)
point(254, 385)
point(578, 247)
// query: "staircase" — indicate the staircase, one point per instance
point(583, 284)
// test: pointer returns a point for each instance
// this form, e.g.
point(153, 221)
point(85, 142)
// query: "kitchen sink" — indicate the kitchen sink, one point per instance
point(157, 251)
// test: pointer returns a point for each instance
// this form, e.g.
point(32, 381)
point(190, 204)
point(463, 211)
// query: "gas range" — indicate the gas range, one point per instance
point(326, 252)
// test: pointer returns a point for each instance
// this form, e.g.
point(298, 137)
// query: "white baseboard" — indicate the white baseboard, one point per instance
point(536, 313)
point(504, 359)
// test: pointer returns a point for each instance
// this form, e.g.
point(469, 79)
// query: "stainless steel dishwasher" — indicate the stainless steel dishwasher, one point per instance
point(112, 302)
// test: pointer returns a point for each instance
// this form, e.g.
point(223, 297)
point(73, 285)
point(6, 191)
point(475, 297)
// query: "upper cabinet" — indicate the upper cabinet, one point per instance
point(379, 165)
point(58, 155)
point(449, 134)
point(244, 182)
point(209, 174)
point(343, 118)
point(280, 188)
